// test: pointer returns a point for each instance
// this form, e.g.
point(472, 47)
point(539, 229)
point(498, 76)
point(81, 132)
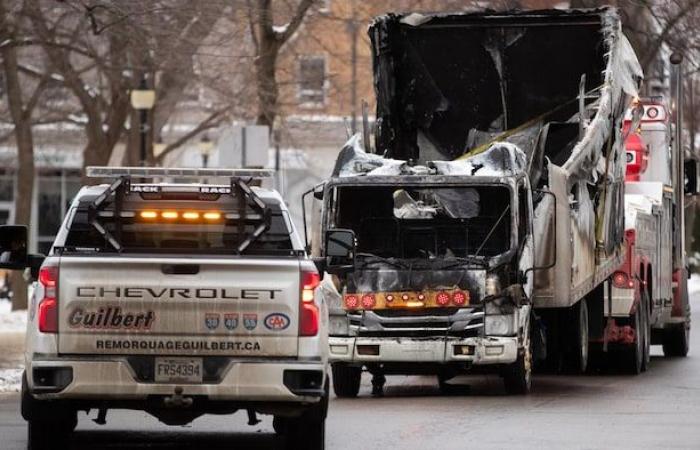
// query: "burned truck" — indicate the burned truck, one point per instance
point(477, 234)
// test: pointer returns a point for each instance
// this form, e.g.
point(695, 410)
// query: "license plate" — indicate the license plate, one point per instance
point(178, 370)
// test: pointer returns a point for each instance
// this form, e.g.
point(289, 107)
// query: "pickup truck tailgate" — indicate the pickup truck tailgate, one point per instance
point(178, 306)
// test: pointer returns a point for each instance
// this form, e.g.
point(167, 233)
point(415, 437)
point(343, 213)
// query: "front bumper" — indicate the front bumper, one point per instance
point(114, 379)
point(482, 350)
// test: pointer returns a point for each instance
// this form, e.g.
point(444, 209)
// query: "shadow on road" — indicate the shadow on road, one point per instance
point(172, 440)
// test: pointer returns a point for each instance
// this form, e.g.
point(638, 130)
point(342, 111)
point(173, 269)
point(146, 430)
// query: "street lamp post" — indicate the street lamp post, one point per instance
point(143, 99)
point(205, 147)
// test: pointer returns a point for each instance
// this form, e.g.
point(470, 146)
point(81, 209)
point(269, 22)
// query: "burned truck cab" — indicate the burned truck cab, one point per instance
point(431, 268)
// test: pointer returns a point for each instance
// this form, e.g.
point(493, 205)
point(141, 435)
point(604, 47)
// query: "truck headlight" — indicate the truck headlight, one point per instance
point(493, 285)
point(499, 325)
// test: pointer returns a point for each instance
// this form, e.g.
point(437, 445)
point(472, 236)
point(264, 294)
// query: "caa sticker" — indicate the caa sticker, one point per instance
point(276, 322)
point(212, 320)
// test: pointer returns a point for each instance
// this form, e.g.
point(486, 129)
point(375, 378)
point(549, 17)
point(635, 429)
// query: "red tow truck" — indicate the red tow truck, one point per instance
point(649, 291)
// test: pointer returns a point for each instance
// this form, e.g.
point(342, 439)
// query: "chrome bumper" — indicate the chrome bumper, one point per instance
point(482, 350)
point(113, 379)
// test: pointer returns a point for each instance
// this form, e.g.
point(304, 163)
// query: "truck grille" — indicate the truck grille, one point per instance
point(454, 322)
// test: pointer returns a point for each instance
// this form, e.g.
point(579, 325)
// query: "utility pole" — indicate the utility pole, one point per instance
point(352, 28)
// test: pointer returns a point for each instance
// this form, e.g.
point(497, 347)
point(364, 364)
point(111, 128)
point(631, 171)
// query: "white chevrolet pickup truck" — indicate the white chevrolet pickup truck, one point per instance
point(175, 299)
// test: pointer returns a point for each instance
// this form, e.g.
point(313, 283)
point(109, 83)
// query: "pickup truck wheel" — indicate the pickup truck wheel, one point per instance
point(50, 434)
point(676, 340)
point(346, 380)
point(517, 377)
point(307, 431)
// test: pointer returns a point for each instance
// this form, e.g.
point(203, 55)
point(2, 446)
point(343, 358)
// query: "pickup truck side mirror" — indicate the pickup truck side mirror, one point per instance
point(13, 247)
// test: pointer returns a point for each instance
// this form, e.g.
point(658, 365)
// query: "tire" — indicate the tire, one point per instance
point(48, 426)
point(50, 434)
point(577, 356)
point(279, 424)
point(646, 325)
point(307, 431)
point(346, 380)
point(676, 341)
point(633, 355)
point(517, 377)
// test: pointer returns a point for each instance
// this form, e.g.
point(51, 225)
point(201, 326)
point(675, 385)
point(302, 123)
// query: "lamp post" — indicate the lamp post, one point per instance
point(143, 99)
point(205, 147)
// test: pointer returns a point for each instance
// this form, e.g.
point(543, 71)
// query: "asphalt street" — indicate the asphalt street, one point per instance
point(658, 409)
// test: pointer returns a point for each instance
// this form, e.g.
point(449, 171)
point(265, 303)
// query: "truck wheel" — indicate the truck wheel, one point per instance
point(646, 326)
point(676, 340)
point(517, 377)
point(346, 380)
point(309, 430)
point(279, 424)
point(578, 349)
point(633, 355)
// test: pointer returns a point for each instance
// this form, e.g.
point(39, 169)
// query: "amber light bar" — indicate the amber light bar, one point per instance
point(189, 216)
point(405, 300)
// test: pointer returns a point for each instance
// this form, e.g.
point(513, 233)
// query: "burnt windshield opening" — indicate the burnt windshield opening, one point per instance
point(411, 222)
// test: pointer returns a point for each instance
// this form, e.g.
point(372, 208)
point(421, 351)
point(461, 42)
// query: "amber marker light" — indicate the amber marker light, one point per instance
point(169, 215)
point(212, 215)
point(190, 215)
point(148, 214)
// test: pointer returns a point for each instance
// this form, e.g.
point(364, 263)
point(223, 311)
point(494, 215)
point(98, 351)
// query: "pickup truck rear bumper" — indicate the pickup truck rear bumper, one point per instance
point(114, 379)
point(474, 350)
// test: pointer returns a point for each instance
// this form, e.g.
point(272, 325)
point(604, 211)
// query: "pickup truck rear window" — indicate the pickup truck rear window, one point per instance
point(137, 235)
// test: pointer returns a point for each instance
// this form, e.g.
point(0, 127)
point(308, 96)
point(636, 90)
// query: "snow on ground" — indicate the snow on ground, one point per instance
point(12, 321)
point(10, 380)
point(12, 326)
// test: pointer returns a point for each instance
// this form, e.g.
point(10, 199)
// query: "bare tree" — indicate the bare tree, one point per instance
point(22, 98)
point(268, 39)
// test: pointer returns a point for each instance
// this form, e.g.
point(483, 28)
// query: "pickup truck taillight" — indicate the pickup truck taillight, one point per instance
point(48, 306)
point(308, 311)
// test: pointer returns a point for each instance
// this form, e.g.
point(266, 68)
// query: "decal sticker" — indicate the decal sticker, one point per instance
point(211, 320)
point(276, 321)
point(110, 317)
point(231, 321)
point(250, 321)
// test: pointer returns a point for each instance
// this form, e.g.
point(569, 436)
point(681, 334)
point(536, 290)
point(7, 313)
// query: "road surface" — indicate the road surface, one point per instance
point(658, 409)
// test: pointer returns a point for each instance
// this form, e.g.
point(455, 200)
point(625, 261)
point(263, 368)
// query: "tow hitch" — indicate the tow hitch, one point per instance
point(177, 400)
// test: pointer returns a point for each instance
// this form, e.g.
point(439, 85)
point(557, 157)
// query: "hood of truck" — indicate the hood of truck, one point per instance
point(447, 83)
point(183, 306)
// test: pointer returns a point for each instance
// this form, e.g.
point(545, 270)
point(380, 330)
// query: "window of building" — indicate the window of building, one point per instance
point(7, 187)
point(312, 80)
point(55, 193)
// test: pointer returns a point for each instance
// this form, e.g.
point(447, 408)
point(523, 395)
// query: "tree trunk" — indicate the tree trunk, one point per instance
point(25, 156)
point(266, 83)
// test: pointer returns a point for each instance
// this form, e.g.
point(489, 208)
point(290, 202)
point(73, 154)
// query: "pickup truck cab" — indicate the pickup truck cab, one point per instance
point(175, 299)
